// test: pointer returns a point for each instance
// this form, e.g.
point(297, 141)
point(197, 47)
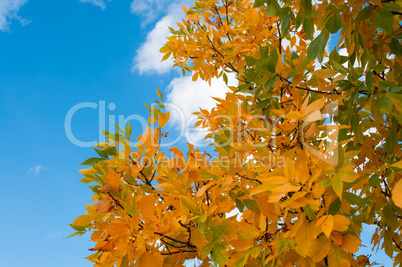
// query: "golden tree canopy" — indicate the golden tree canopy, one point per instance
point(307, 146)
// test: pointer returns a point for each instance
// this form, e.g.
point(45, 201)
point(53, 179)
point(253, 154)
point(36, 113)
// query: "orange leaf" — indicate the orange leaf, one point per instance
point(325, 73)
point(351, 243)
point(241, 244)
point(119, 229)
point(147, 259)
point(338, 258)
point(328, 225)
point(163, 119)
point(397, 194)
point(341, 223)
point(319, 248)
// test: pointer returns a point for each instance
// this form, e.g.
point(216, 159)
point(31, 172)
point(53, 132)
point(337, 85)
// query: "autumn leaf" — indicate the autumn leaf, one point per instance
point(397, 194)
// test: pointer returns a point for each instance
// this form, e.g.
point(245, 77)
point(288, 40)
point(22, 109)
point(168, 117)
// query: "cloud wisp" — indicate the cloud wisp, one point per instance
point(148, 59)
point(189, 97)
point(99, 3)
point(9, 11)
point(36, 170)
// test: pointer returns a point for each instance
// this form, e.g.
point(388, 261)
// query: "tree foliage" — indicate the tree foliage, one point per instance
point(307, 146)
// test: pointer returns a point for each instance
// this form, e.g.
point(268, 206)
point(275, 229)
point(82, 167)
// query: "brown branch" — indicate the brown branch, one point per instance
point(176, 252)
point(118, 203)
point(308, 89)
point(170, 238)
point(247, 178)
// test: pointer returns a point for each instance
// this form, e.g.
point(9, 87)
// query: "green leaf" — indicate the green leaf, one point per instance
point(220, 255)
point(353, 199)
point(374, 181)
point(272, 60)
point(390, 215)
point(243, 260)
point(355, 122)
point(78, 228)
point(308, 28)
point(369, 80)
point(379, 68)
point(306, 8)
point(101, 153)
point(326, 182)
point(159, 93)
point(206, 251)
point(130, 179)
point(161, 105)
point(337, 184)
point(396, 100)
point(384, 105)
point(259, 3)
point(384, 19)
point(334, 23)
point(337, 257)
point(239, 205)
point(92, 161)
point(391, 139)
point(129, 130)
point(396, 47)
point(270, 83)
point(251, 204)
point(335, 206)
point(272, 8)
point(118, 127)
point(111, 151)
point(315, 47)
point(225, 78)
point(285, 25)
point(365, 13)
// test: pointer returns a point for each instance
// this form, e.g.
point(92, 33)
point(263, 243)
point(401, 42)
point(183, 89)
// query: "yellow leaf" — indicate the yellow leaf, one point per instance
point(295, 115)
point(267, 208)
point(319, 249)
point(316, 105)
point(338, 257)
point(397, 165)
point(328, 225)
point(202, 190)
point(351, 243)
point(348, 174)
point(397, 194)
point(341, 223)
point(164, 49)
point(83, 220)
point(119, 229)
point(325, 73)
point(163, 119)
point(146, 205)
point(241, 244)
point(147, 259)
point(313, 116)
point(303, 239)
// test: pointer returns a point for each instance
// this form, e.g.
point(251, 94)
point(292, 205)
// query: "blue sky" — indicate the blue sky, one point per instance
point(56, 55)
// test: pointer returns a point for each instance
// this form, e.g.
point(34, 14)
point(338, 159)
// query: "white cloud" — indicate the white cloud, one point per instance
point(99, 3)
point(150, 10)
point(36, 169)
point(8, 11)
point(148, 58)
point(186, 97)
point(54, 235)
